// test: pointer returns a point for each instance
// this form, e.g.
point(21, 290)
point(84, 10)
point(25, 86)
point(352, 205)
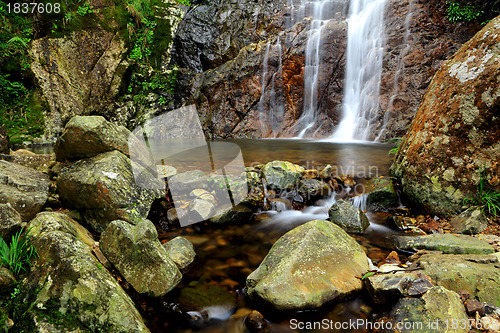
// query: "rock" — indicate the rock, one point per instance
point(473, 305)
point(104, 189)
point(188, 181)
point(447, 243)
point(471, 222)
point(384, 288)
point(312, 188)
point(255, 197)
point(310, 174)
point(139, 257)
point(4, 141)
point(381, 194)
point(281, 175)
point(80, 83)
point(455, 133)
point(68, 289)
point(203, 209)
point(404, 223)
point(310, 265)
point(255, 322)
point(181, 251)
point(39, 162)
point(326, 172)
point(438, 306)
point(349, 217)
point(88, 136)
point(7, 280)
point(462, 272)
point(238, 214)
point(25, 189)
point(10, 221)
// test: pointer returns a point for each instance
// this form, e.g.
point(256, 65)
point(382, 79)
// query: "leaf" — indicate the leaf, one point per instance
point(367, 275)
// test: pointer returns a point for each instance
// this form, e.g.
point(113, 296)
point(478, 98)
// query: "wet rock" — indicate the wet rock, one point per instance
point(203, 209)
point(282, 175)
point(312, 188)
point(238, 214)
point(188, 181)
point(88, 136)
point(68, 289)
point(326, 172)
point(471, 222)
point(25, 189)
point(7, 280)
point(39, 162)
point(310, 174)
point(447, 243)
point(10, 221)
point(381, 194)
point(437, 307)
point(454, 134)
point(349, 217)
point(255, 322)
point(140, 257)
point(385, 288)
point(255, 197)
point(404, 223)
point(4, 141)
point(464, 272)
point(104, 189)
point(473, 305)
point(181, 251)
point(310, 265)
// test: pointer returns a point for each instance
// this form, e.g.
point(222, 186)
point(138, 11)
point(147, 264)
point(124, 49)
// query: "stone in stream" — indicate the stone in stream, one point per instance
point(349, 217)
point(384, 288)
point(309, 266)
point(381, 194)
point(238, 214)
point(140, 257)
point(312, 188)
point(447, 243)
point(88, 136)
point(68, 290)
point(25, 189)
point(282, 175)
point(479, 275)
point(103, 189)
point(181, 251)
point(10, 221)
point(471, 222)
point(438, 307)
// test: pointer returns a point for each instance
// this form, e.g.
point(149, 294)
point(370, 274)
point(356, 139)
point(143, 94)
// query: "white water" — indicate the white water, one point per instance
point(365, 51)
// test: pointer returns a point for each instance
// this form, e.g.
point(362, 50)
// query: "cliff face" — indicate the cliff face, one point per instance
point(456, 131)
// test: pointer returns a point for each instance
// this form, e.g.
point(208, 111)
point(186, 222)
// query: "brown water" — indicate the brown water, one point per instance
point(211, 297)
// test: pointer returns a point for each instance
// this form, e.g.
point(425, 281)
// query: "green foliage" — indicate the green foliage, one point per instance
point(85, 9)
point(395, 150)
point(457, 13)
point(489, 200)
point(18, 254)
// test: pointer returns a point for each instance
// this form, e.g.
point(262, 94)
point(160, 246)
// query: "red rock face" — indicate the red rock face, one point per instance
point(456, 131)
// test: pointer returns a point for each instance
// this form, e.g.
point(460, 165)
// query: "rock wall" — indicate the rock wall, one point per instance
point(241, 93)
point(456, 131)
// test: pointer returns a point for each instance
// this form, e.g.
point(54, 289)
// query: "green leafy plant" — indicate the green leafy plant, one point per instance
point(457, 13)
point(18, 254)
point(395, 150)
point(489, 200)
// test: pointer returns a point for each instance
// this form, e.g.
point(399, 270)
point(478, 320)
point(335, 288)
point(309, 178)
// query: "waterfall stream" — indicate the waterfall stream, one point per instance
point(365, 49)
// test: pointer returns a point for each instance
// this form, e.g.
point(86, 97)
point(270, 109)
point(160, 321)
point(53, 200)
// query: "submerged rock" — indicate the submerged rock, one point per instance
point(310, 265)
point(181, 251)
point(477, 274)
point(438, 307)
point(471, 222)
point(104, 189)
point(87, 136)
point(140, 257)
point(68, 289)
point(447, 243)
point(349, 217)
point(10, 221)
point(282, 175)
point(455, 133)
point(25, 189)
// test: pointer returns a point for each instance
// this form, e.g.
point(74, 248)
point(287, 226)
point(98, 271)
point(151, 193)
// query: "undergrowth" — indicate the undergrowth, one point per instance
point(489, 199)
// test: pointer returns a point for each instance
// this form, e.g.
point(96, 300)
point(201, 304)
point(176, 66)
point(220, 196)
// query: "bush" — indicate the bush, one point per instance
point(489, 200)
point(18, 254)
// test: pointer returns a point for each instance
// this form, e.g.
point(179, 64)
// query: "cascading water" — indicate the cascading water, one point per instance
point(365, 43)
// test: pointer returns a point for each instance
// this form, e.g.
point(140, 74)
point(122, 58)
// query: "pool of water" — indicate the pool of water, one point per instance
point(211, 297)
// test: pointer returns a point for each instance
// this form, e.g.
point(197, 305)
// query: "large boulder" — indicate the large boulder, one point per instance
point(447, 243)
point(140, 257)
point(4, 141)
point(348, 217)
point(310, 265)
point(10, 221)
point(433, 312)
point(68, 289)
point(25, 189)
point(455, 134)
point(282, 175)
point(87, 136)
point(104, 189)
point(477, 274)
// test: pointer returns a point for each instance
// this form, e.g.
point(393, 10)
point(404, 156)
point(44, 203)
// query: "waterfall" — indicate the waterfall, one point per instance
point(365, 44)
